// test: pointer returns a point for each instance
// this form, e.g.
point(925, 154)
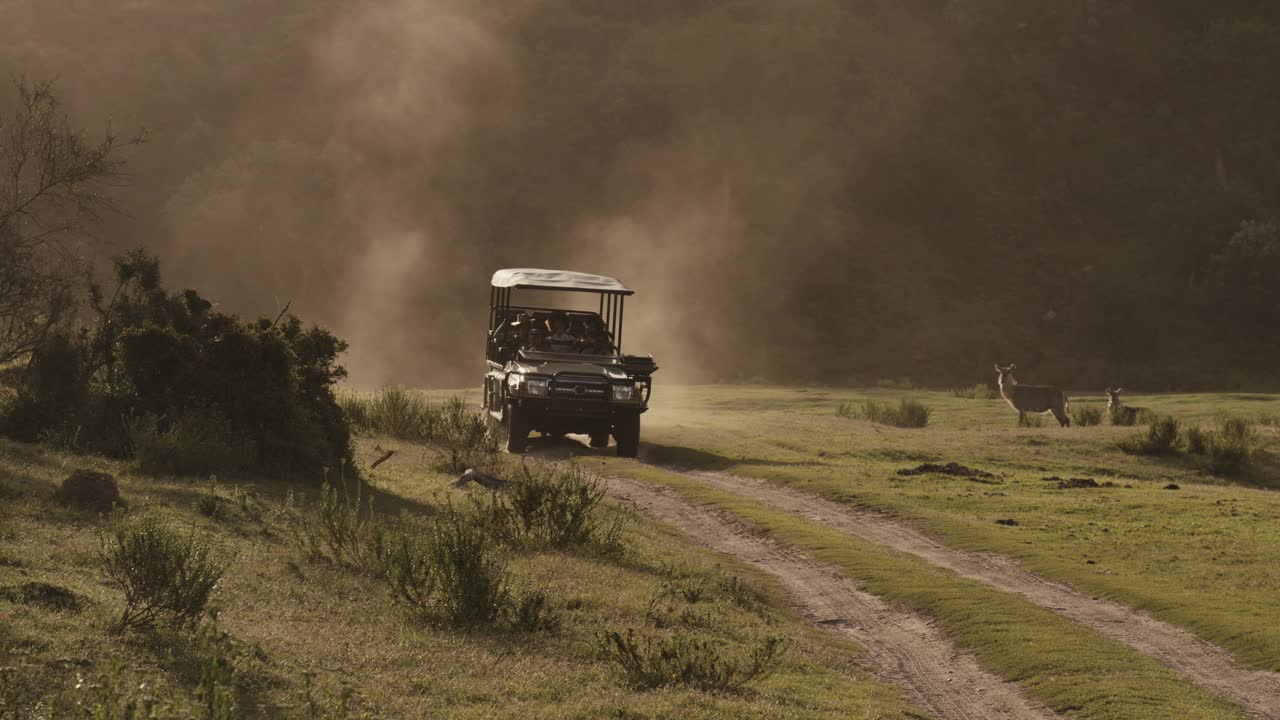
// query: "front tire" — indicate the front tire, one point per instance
point(517, 430)
point(627, 433)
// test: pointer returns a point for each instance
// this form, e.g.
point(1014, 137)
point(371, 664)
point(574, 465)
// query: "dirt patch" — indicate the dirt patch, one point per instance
point(1204, 663)
point(1007, 522)
point(904, 648)
point(951, 469)
point(1172, 486)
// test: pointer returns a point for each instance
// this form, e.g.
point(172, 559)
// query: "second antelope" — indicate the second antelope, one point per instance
point(1121, 414)
point(1032, 398)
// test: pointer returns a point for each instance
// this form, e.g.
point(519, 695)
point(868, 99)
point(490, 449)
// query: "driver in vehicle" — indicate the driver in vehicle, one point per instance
point(560, 339)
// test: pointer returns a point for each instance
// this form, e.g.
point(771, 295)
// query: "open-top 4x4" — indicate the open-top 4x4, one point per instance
point(562, 371)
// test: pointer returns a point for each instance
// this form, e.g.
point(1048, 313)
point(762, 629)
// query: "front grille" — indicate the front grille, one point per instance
point(586, 387)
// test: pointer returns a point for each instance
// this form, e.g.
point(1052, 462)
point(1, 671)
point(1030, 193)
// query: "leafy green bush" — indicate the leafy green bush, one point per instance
point(449, 572)
point(683, 660)
point(1231, 446)
point(264, 386)
point(163, 572)
point(1086, 416)
point(1162, 437)
point(551, 505)
point(906, 414)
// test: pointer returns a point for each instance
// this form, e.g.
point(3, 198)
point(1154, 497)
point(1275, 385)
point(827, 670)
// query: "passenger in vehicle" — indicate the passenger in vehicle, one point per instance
point(598, 339)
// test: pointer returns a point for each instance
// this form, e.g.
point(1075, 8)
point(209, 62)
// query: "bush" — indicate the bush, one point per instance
point(1161, 438)
point(679, 659)
point(1086, 416)
point(162, 572)
point(451, 572)
point(343, 530)
point(1231, 446)
point(392, 411)
point(981, 391)
point(531, 611)
point(907, 413)
point(550, 506)
point(216, 695)
point(465, 437)
point(208, 380)
point(197, 443)
point(1198, 440)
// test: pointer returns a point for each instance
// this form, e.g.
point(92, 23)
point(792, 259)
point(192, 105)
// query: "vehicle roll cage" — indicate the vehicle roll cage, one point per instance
point(611, 309)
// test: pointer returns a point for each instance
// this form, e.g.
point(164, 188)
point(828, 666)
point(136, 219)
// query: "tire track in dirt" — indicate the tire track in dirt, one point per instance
point(903, 647)
point(1207, 665)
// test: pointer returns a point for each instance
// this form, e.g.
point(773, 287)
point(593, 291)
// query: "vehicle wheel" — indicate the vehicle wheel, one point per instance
point(627, 433)
point(517, 430)
point(600, 439)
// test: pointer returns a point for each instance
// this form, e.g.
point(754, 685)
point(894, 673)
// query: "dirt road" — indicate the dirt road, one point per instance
point(902, 647)
point(1205, 664)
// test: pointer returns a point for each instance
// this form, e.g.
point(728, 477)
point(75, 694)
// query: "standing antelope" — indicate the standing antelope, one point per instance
point(1121, 414)
point(1032, 398)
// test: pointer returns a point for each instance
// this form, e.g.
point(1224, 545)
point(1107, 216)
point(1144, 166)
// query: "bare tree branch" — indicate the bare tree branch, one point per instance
point(55, 185)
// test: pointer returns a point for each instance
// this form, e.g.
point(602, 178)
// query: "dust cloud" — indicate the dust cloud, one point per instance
point(802, 191)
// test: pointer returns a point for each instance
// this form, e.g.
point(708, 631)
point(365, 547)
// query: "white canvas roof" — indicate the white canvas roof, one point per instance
point(557, 280)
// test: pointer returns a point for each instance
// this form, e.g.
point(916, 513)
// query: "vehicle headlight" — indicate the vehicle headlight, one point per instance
point(623, 392)
point(535, 387)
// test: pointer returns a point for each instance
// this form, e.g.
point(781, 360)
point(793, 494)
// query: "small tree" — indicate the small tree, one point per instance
point(54, 182)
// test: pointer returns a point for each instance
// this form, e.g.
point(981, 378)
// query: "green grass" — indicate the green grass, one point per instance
point(288, 618)
point(1069, 668)
point(1201, 557)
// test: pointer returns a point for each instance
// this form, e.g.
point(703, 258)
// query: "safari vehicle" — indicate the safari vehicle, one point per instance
point(560, 371)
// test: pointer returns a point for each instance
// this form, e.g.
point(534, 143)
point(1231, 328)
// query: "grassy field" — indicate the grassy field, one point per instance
point(1202, 556)
point(295, 623)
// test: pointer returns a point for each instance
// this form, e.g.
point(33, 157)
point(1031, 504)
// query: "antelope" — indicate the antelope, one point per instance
point(1032, 398)
point(1121, 414)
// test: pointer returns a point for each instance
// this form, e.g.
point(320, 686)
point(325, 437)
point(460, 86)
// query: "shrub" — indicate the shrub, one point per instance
point(550, 506)
point(465, 437)
point(392, 411)
point(197, 443)
point(1086, 416)
point(907, 413)
point(344, 528)
point(1198, 440)
point(162, 572)
point(171, 356)
point(679, 659)
point(1161, 438)
point(531, 611)
point(1231, 446)
point(981, 391)
point(451, 572)
point(216, 694)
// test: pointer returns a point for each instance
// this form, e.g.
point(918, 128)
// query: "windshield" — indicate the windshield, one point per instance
point(560, 333)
